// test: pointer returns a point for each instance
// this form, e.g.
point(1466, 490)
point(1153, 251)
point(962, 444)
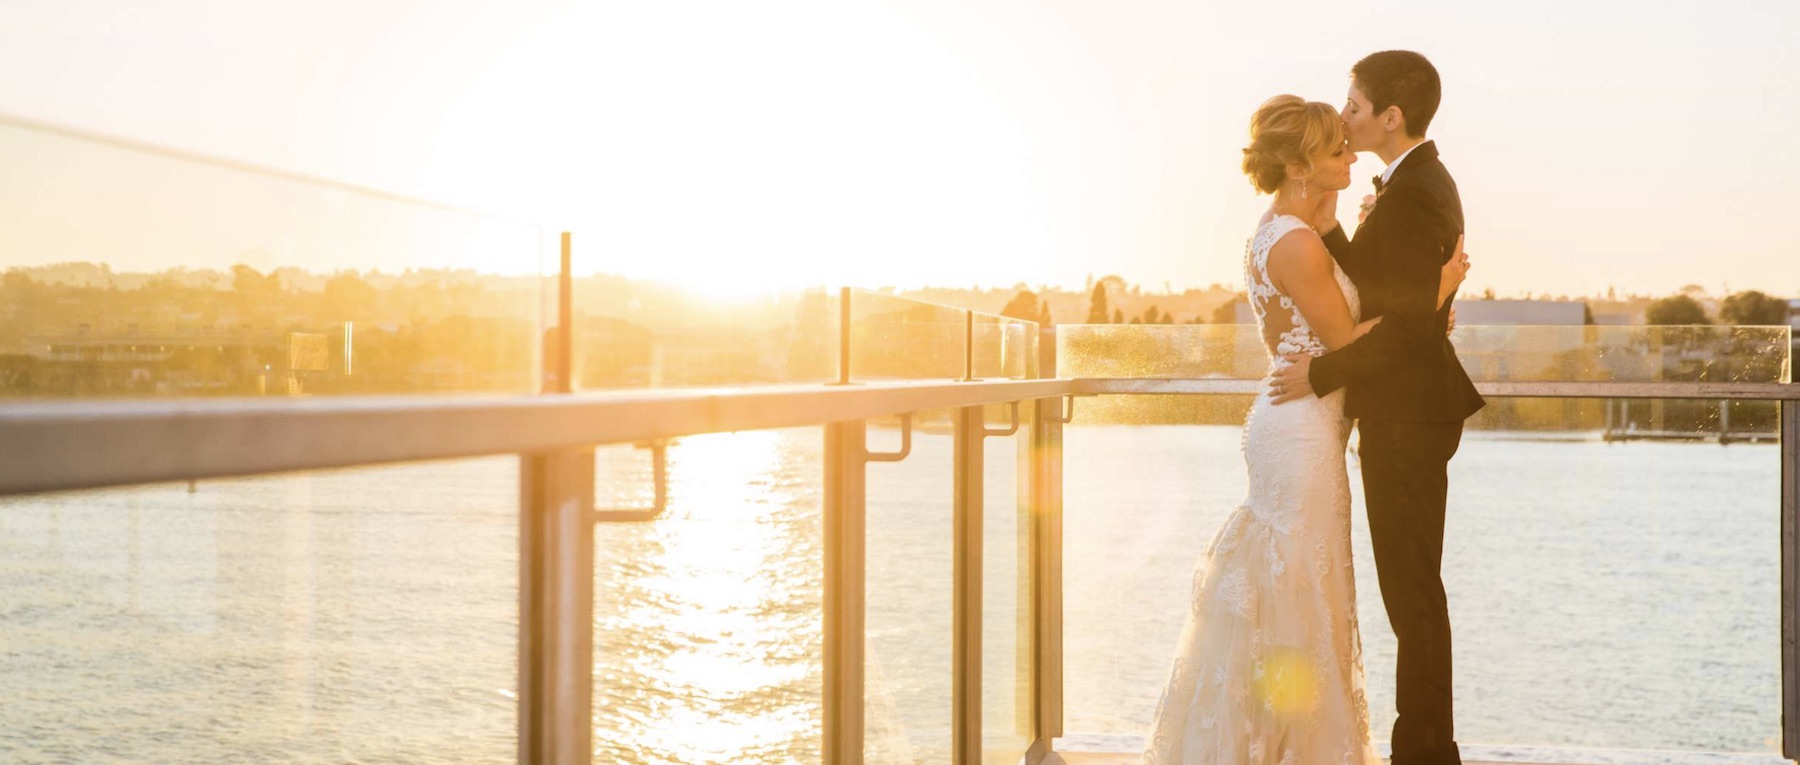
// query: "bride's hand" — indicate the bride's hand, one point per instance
point(1455, 270)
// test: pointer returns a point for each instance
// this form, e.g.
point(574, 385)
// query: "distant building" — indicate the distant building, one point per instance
point(1471, 313)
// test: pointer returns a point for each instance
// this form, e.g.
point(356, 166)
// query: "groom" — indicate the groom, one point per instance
point(1405, 385)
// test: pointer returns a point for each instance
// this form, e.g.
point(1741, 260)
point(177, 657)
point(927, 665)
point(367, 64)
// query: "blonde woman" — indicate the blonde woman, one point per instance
point(1268, 669)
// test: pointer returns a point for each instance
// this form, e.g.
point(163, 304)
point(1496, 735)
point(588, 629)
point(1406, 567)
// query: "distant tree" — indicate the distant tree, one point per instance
point(251, 282)
point(1487, 294)
point(1753, 308)
point(1587, 314)
point(1675, 310)
point(1022, 306)
point(1151, 316)
point(346, 297)
point(1118, 316)
point(1098, 313)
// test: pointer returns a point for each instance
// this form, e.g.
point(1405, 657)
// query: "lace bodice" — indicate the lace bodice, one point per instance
point(1284, 330)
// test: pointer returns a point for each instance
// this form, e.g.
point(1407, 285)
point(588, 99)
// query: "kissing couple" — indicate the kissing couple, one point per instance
point(1268, 669)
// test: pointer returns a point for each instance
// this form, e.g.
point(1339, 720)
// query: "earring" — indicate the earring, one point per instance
point(1303, 189)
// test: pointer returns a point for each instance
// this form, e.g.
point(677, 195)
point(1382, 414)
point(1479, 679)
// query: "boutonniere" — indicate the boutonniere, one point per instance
point(1368, 206)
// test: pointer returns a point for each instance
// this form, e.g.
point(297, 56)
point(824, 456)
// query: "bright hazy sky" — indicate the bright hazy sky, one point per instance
point(1642, 145)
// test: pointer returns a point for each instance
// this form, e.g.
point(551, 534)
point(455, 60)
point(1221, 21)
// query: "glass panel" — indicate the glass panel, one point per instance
point(633, 334)
point(907, 671)
point(1628, 354)
point(365, 615)
point(1006, 591)
point(708, 620)
point(899, 339)
point(1625, 353)
point(138, 274)
point(1140, 504)
point(1004, 347)
point(1233, 351)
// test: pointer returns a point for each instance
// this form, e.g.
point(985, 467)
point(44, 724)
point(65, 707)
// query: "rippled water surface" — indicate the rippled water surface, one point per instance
point(1611, 596)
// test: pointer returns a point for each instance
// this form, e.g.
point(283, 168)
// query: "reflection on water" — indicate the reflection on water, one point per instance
point(708, 620)
point(1620, 596)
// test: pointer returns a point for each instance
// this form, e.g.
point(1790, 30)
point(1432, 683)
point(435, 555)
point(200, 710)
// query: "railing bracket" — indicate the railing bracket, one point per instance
point(1012, 408)
point(659, 459)
point(905, 444)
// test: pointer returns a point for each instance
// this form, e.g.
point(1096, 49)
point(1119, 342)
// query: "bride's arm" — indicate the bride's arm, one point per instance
point(1455, 270)
point(1301, 268)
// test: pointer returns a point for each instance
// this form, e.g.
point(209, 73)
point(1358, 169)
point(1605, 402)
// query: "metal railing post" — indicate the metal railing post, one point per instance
point(1790, 579)
point(556, 607)
point(968, 346)
point(843, 336)
point(556, 576)
point(1046, 564)
point(846, 455)
point(965, 662)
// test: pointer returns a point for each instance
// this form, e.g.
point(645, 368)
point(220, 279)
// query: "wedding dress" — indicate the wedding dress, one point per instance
point(1268, 669)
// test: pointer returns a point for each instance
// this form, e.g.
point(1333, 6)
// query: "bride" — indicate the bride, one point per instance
point(1268, 669)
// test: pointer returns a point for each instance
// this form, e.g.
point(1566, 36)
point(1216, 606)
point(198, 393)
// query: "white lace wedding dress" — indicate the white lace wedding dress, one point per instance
point(1269, 670)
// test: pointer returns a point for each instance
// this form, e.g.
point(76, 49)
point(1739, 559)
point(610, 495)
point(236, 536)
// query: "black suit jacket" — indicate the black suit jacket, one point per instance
point(1405, 368)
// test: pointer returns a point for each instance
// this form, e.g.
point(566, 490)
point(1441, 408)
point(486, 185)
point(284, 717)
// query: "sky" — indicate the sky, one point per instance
point(739, 146)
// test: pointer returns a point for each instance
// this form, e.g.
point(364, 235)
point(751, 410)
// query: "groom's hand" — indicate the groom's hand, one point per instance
point(1324, 214)
point(1291, 382)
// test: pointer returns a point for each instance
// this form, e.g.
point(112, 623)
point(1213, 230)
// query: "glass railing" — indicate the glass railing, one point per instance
point(911, 587)
point(1568, 556)
point(893, 338)
point(366, 614)
point(138, 272)
point(631, 334)
point(1607, 595)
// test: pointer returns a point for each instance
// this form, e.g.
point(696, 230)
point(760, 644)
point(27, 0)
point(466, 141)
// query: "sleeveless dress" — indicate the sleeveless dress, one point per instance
point(1268, 669)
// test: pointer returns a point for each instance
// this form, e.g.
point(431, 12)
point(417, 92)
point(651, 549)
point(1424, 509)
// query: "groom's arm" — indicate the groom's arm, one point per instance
point(1408, 231)
point(1338, 243)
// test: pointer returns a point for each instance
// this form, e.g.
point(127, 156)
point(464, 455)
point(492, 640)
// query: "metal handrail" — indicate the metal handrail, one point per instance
point(56, 446)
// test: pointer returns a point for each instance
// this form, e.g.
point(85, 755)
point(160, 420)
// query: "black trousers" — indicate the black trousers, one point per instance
point(1405, 484)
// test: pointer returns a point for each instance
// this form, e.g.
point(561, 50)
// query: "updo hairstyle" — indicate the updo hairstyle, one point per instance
point(1288, 130)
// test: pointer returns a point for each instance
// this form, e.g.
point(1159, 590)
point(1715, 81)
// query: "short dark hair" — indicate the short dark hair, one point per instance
point(1401, 78)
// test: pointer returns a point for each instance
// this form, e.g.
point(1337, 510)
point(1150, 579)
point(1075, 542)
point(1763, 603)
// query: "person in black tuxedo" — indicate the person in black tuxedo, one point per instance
point(1405, 385)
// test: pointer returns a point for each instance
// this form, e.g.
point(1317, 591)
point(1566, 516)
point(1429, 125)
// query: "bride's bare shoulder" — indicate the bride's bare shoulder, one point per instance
point(1299, 248)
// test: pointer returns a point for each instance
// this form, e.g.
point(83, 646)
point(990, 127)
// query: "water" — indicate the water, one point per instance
point(1603, 596)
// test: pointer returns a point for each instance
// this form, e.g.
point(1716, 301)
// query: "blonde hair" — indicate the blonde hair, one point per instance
point(1288, 130)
